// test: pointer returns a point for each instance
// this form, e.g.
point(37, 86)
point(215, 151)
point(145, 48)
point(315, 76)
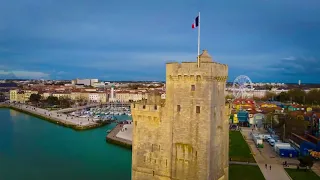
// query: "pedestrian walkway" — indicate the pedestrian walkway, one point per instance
point(316, 168)
point(266, 156)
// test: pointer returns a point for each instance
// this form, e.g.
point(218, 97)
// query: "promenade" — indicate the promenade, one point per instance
point(267, 156)
point(77, 123)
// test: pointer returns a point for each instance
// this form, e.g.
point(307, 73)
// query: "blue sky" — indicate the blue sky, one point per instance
point(267, 40)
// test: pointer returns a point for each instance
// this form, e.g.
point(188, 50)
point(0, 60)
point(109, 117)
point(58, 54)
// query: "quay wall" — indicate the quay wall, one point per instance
point(52, 119)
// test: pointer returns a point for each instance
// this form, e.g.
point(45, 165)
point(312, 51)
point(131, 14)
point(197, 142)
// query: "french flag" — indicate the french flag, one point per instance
point(196, 22)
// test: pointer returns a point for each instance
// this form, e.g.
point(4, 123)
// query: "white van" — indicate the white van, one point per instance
point(271, 141)
point(266, 137)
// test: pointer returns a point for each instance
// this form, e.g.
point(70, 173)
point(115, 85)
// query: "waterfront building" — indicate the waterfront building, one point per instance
point(61, 95)
point(185, 136)
point(21, 96)
point(128, 96)
point(86, 82)
point(98, 97)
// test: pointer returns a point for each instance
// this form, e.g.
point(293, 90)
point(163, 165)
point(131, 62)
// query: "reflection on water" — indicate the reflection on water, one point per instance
point(13, 113)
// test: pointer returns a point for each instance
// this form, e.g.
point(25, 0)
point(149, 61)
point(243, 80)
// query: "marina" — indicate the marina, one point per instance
point(102, 114)
point(81, 119)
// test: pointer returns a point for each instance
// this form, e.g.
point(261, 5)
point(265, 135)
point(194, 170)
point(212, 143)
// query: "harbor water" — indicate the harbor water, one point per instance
point(32, 149)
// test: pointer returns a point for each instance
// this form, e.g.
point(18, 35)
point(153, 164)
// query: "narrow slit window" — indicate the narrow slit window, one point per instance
point(153, 173)
point(197, 109)
point(178, 108)
point(155, 107)
point(193, 87)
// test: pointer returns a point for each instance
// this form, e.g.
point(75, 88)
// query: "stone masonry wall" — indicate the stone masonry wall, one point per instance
point(187, 138)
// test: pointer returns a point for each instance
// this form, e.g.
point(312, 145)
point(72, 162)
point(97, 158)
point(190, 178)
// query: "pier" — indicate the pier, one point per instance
point(122, 140)
point(75, 123)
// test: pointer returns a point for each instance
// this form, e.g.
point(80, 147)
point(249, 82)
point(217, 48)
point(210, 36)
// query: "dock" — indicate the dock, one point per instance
point(67, 110)
point(75, 123)
point(112, 137)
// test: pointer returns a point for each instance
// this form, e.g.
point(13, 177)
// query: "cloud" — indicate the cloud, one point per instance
point(96, 39)
point(291, 58)
point(61, 73)
point(298, 66)
point(25, 74)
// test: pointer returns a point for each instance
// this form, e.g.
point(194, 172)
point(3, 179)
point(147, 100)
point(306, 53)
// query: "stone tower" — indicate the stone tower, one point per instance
point(187, 136)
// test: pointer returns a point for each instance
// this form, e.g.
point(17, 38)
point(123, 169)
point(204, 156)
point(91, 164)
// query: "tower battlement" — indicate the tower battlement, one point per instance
point(208, 70)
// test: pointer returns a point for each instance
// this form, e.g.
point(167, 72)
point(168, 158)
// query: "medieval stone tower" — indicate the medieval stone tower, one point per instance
point(187, 136)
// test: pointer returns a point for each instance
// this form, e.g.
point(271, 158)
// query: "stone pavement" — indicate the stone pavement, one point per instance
point(266, 156)
point(126, 132)
point(59, 117)
point(113, 135)
point(316, 168)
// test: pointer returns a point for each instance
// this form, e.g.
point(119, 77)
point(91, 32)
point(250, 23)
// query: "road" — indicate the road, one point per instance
point(267, 156)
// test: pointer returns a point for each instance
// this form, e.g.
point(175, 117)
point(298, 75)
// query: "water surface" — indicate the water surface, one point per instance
point(32, 149)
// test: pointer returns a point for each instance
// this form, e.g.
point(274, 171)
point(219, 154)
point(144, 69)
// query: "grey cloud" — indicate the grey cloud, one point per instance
point(299, 66)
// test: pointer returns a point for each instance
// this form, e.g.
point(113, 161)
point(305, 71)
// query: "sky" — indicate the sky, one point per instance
point(267, 40)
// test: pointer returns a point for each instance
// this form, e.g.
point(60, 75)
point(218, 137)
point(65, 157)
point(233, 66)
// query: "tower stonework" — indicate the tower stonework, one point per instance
point(187, 135)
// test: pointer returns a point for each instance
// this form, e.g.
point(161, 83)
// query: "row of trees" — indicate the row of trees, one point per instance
point(296, 95)
point(50, 101)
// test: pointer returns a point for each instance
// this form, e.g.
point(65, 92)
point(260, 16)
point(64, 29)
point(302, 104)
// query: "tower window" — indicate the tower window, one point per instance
point(135, 123)
point(193, 87)
point(144, 106)
point(178, 108)
point(155, 107)
point(153, 173)
point(198, 109)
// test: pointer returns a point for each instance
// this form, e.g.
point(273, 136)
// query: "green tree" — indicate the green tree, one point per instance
point(52, 100)
point(297, 95)
point(35, 98)
point(306, 161)
point(313, 97)
point(269, 96)
point(65, 102)
point(283, 97)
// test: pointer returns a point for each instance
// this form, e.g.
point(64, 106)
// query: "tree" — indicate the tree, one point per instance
point(52, 100)
point(65, 102)
point(2, 97)
point(306, 161)
point(313, 97)
point(269, 96)
point(35, 98)
point(297, 95)
point(283, 97)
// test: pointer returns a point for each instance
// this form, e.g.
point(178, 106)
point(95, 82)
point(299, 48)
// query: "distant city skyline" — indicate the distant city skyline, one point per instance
point(269, 41)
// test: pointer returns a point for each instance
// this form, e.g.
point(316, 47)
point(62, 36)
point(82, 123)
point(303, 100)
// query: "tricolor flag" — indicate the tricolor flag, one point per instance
point(195, 23)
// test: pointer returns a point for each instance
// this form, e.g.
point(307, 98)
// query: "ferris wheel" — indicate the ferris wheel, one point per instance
point(241, 85)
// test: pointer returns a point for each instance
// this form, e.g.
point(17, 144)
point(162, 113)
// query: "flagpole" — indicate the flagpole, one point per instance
point(199, 42)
